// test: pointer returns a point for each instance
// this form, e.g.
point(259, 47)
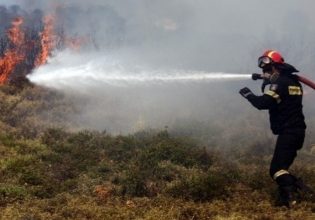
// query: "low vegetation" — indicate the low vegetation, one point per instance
point(52, 172)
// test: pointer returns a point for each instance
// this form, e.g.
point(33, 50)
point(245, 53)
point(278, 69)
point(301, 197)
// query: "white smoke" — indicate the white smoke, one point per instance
point(124, 97)
point(158, 41)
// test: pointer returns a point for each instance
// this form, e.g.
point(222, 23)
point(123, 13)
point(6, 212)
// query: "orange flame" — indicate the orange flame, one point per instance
point(48, 40)
point(15, 34)
point(13, 55)
point(20, 45)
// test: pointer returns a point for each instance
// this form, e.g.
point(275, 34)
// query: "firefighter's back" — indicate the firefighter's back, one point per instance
point(288, 114)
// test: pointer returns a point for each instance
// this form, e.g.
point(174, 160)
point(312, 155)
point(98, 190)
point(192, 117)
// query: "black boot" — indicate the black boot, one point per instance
point(288, 196)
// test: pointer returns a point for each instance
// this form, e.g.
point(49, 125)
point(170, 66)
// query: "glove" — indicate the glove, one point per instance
point(245, 92)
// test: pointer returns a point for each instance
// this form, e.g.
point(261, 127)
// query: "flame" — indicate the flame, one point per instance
point(15, 34)
point(14, 54)
point(23, 50)
point(47, 40)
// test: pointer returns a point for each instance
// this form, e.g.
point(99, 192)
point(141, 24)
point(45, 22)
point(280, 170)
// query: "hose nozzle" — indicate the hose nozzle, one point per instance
point(256, 76)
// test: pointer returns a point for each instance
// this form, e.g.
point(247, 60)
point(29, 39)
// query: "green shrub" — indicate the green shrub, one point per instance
point(7, 139)
point(144, 174)
point(10, 193)
point(120, 148)
point(31, 177)
point(46, 191)
point(199, 186)
point(133, 184)
point(177, 150)
point(54, 137)
point(19, 163)
point(258, 179)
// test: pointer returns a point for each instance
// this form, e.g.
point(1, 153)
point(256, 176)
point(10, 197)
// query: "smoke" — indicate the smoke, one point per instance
point(169, 38)
point(123, 97)
point(204, 35)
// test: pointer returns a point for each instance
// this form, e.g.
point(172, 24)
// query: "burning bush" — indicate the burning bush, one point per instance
point(27, 39)
point(23, 46)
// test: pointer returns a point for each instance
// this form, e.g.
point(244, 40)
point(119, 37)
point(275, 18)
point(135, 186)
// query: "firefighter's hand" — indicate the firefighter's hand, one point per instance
point(245, 92)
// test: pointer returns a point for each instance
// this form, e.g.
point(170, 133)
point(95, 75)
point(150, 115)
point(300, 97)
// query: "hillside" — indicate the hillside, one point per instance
point(49, 169)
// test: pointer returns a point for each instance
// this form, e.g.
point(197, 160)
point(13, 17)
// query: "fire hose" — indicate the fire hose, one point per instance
point(302, 79)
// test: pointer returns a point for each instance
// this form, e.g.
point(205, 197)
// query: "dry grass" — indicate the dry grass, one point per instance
point(52, 173)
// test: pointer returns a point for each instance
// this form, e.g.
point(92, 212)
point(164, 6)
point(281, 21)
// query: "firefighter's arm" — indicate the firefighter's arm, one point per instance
point(262, 102)
point(266, 101)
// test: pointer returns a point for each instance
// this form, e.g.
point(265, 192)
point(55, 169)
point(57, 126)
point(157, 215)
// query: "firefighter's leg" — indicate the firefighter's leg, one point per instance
point(284, 155)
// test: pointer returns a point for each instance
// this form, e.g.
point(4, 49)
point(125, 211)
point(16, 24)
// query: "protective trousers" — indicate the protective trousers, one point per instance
point(288, 143)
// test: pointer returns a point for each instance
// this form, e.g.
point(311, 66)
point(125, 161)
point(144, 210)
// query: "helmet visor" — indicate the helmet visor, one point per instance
point(264, 61)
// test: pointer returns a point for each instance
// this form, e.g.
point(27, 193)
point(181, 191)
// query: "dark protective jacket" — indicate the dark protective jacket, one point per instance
point(283, 99)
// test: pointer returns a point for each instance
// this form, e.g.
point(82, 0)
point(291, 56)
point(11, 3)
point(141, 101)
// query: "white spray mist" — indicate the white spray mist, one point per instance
point(122, 97)
point(68, 71)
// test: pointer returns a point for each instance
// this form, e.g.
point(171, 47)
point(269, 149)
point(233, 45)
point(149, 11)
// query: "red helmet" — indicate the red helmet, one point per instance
point(269, 57)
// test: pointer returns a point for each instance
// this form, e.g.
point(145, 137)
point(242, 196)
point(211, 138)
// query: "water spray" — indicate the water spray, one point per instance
point(120, 79)
point(66, 71)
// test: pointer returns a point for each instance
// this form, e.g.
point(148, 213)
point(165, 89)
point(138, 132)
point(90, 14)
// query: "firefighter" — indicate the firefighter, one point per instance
point(282, 96)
